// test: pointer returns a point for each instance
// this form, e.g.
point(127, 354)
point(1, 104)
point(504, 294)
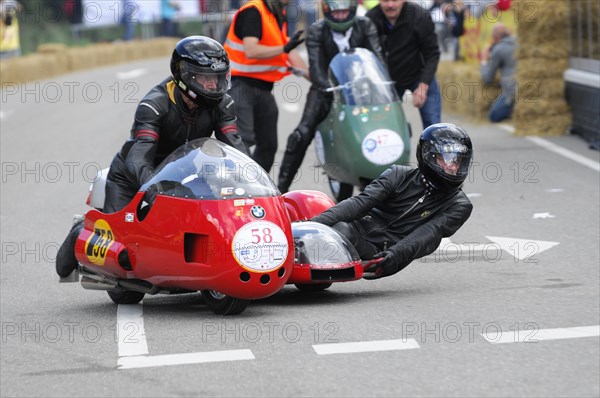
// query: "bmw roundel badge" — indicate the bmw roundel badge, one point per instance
point(257, 212)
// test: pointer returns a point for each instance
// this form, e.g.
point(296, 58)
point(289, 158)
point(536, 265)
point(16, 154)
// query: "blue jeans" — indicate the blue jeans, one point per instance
point(501, 109)
point(431, 111)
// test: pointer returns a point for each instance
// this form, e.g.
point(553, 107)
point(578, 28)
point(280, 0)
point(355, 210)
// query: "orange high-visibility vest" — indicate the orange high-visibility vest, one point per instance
point(268, 69)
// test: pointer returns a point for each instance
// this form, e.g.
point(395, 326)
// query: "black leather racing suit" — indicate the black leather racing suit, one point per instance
point(163, 123)
point(321, 49)
point(399, 212)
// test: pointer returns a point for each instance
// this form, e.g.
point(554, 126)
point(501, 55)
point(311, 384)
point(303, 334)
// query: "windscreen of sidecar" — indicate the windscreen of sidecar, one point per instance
point(320, 245)
point(209, 169)
point(360, 78)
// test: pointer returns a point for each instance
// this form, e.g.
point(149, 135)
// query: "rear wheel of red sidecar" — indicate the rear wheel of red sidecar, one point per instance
point(125, 296)
point(340, 190)
point(313, 287)
point(222, 304)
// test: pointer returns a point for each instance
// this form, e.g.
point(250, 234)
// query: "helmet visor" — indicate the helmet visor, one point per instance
point(342, 4)
point(212, 82)
point(450, 160)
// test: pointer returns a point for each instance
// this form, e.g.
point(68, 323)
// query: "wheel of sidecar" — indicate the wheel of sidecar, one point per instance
point(222, 304)
point(313, 287)
point(340, 190)
point(125, 296)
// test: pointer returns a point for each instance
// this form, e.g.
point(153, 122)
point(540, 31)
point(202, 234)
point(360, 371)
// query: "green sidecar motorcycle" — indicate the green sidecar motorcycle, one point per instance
point(366, 130)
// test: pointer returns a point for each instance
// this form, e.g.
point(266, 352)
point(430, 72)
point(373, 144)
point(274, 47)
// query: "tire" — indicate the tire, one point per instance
point(224, 305)
point(340, 190)
point(125, 296)
point(313, 287)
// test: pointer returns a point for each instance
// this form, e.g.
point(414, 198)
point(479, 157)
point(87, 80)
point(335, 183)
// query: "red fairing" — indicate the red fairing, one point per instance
point(305, 204)
point(210, 244)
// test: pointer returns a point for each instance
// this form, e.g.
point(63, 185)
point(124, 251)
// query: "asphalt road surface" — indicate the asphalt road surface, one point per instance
point(509, 306)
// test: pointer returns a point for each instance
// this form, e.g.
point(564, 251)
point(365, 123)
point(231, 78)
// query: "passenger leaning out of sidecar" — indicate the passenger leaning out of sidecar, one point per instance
point(404, 213)
point(192, 103)
point(340, 30)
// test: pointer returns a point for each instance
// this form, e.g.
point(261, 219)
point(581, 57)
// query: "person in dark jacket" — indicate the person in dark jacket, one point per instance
point(192, 103)
point(410, 45)
point(338, 31)
point(404, 214)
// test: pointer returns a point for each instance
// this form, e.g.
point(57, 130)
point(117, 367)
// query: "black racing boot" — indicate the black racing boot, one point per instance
point(292, 159)
point(286, 175)
point(65, 258)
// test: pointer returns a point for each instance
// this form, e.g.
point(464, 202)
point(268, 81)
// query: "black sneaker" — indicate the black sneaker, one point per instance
point(65, 258)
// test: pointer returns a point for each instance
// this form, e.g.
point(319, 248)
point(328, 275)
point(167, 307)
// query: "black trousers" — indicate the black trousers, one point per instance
point(316, 109)
point(119, 188)
point(257, 116)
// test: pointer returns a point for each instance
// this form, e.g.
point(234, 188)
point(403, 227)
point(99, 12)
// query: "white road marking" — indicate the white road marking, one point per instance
point(534, 336)
point(5, 114)
point(291, 107)
point(474, 195)
point(133, 347)
point(592, 164)
point(555, 190)
point(130, 332)
point(507, 127)
point(522, 248)
point(365, 346)
point(519, 248)
point(132, 74)
point(543, 215)
point(184, 359)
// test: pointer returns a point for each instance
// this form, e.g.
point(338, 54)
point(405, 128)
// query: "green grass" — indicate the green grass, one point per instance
point(34, 34)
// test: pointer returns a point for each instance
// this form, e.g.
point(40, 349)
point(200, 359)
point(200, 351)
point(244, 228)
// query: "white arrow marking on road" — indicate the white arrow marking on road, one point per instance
point(132, 74)
point(365, 346)
point(536, 335)
point(518, 248)
point(524, 247)
point(184, 359)
point(542, 215)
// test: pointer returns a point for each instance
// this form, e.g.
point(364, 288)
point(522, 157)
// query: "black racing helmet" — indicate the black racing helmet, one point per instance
point(329, 10)
point(445, 154)
point(200, 68)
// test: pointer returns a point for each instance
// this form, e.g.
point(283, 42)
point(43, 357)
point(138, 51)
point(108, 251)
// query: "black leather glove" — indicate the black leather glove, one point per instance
point(389, 265)
point(294, 42)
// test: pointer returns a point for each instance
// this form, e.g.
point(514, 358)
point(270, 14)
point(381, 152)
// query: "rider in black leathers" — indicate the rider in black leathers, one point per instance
point(191, 104)
point(170, 115)
point(404, 214)
point(321, 48)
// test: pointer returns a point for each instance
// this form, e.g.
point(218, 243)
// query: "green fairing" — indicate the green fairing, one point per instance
point(342, 141)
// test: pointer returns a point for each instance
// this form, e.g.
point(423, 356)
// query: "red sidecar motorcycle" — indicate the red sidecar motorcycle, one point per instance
point(211, 220)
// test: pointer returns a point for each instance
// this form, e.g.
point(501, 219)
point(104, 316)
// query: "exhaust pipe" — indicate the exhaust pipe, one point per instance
point(138, 286)
point(93, 284)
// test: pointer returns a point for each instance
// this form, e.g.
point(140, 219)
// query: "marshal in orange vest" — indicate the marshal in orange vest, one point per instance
point(268, 69)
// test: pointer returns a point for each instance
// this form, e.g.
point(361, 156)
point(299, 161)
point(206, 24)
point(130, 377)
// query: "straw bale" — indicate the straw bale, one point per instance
point(50, 48)
point(462, 89)
point(81, 58)
point(542, 57)
point(543, 48)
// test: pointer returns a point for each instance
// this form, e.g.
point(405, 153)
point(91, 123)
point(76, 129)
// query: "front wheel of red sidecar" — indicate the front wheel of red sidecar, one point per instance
point(313, 287)
point(222, 304)
point(125, 296)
